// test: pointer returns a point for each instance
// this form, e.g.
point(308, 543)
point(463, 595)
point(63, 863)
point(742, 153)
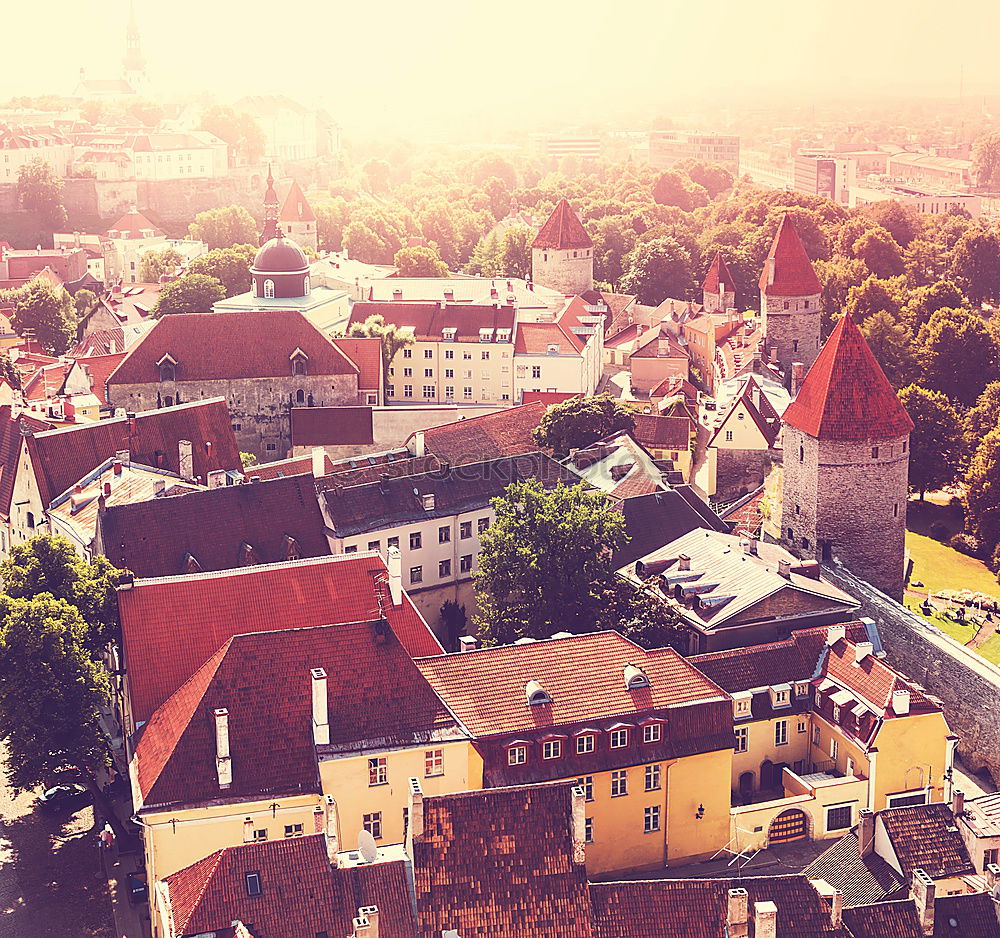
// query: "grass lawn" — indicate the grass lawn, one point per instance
point(941, 567)
point(990, 649)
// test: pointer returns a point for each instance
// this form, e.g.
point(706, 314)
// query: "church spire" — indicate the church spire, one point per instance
point(134, 60)
point(270, 229)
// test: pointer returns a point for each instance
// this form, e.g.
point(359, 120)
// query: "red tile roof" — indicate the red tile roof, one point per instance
point(99, 369)
point(132, 224)
point(46, 381)
point(10, 451)
point(548, 398)
point(582, 674)
point(231, 345)
point(367, 355)
point(762, 413)
point(563, 230)
point(60, 458)
point(376, 697)
point(924, 837)
point(302, 895)
point(332, 426)
point(170, 627)
point(793, 273)
point(99, 342)
point(428, 320)
point(718, 273)
point(846, 395)
point(662, 432)
point(490, 436)
point(499, 863)
point(296, 207)
point(535, 338)
point(894, 919)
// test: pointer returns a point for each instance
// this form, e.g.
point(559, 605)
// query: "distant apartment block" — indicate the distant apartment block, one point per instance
point(664, 148)
point(557, 146)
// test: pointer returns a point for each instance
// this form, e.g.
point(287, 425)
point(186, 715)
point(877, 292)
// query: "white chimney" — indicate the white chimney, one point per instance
point(835, 633)
point(370, 912)
point(922, 892)
point(248, 830)
point(223, 763)
point(418, 443)
point(785, 569)
point(362, 928)
point(861, 651)
point(737, 914)
point(318, 462)
point(993, 881)
point(901, 702)
point(834, 898)
point(320, 708)
point(866, 831)
point(394, 562)
point(186, 459)
point(579, 823)
point(765, 920)
point(414, 815)
point(468, 643)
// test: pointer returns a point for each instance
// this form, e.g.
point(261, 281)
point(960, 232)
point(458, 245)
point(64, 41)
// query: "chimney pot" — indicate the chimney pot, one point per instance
point(785, 569)
point(185, 453)
point(765, 920)
point(320, 708)
point(418, 443)
point(737, 914)
point(318, 462)
point(901, 702)
point(468, 643)
point(866, 831)
point(579, 809)
point(861, 651)
point(958, 802)
point(223, 762)
point(834, 634)
point(248, 830)
point(684, 562)
point(117, 467)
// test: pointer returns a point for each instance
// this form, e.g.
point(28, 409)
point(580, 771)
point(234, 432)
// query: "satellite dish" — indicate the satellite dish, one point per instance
point(367, 847)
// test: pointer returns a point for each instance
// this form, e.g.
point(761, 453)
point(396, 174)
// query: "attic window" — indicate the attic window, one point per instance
point(635, 677)
point(300, 363)
point(168, 368)
point(253, 884)
point(801, 689)
point(741, 703)
point(536, 695)
point(552, 348)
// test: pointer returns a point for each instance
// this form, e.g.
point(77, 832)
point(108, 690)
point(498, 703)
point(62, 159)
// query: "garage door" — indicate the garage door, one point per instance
point(786, 827)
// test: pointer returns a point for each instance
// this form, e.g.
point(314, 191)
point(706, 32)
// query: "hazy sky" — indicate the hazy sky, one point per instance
point(380, 64)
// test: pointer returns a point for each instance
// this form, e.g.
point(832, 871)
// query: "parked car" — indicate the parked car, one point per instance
point(64, 798)
point(136, 885)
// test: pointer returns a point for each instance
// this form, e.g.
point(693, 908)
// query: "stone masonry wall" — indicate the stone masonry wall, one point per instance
point(563, 272)
point(783, 328)
point(739, 471)
point(968, 685)
point(259, 407)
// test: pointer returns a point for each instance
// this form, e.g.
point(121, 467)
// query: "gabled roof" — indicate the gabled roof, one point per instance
point(658, 432)
point(428, 320)
point(131, 226)
point(718, 273)
point(924, 836)
point(231, 345)
point(296, 207)
point(895, 919)
point(281, 520)
point(171, 626)
point(861, 880)
point(873, 681)
point(537, 338)
point(498, 863)
point(10, 451)
point(490, 436)
point(846, 395)
point(98, 369)
point(366, 353)
point(374, 692)
point(563, 230)
point(582, 674)
point(787, 269)
point(758, 408)
point(59, 458)
point(301, 896)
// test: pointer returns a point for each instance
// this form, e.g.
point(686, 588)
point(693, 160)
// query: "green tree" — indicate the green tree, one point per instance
point(983, 416)
point(155, 264)
point(975, 264)
point(545, 562)
point(937, 447)
point(715, 179)
point(671, 189)
point(986, 160)
point(377, 174)
point(420, 262)
point(838, 275)
point(926, 262)
point(503, 255)
point(247, 460)
point(658, 269)
point(52, 691)
point(925, 301)
point(392, 338)
point(893, 345)
point(9, 372)
point(982, 491)
point(224, 227)
point(45, 313)
point(959, 354)
point(83, 302)
point(901, 222)
point(581, 421)
point(193, 293)
point(613, 238)
point(880, 253)
point(230, 266)
point(239, 129)
point(49, 564)
point(875, 296)
point(331, 219)
point(39, 190)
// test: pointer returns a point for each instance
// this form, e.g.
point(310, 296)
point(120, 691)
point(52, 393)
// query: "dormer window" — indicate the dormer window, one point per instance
point(618, 739)
point(449, 334)
point(802, 689)
point(585, 743)
point(651, 732)
point(517, 754)
point(300, 363)
point(552, 348)
point(168, 368)
point(635, 677)
point(552, 749)
point(742, 701)
point(536, 695)
point(269, 289)
point(781, 695)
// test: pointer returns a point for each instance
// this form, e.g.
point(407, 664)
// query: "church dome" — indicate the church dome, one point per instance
point(280, 256)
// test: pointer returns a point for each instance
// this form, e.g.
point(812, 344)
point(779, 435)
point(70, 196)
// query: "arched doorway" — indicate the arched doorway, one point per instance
point(769, 775)
point(788, 826)
point(746, 787)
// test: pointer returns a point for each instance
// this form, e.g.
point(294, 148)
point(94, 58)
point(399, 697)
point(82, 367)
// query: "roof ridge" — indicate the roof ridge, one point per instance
point(205, 880)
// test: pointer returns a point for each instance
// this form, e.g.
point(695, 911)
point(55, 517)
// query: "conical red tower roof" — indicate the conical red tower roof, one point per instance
point(563, 230)
point(846, 395)
point(296, 207)
point(718, 273)
point(788, 270)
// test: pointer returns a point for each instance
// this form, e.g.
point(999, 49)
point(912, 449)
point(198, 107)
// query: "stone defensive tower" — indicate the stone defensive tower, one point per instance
point(297, 219)
point(718, 291)
point(789, 302)
point(846, 464)
point(562, 254)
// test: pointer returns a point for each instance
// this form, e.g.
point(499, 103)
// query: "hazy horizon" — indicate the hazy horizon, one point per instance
point(399, 66)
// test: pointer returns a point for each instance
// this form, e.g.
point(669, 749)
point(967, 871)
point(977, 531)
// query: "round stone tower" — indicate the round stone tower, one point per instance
point(846, 464)
point(790, 309)
point(562, 254)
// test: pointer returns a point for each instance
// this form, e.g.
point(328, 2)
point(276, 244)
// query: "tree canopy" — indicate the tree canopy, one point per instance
point(155, 264)
point(937, 446)
point(960, 355)
point(193, 293)
point(39, 190)
point(581, 421)
point(230, 266)
point(419, 262)
point(241, 130)
point(45, 313)
point(224, 227)
point(393, 339)
point(658, 269)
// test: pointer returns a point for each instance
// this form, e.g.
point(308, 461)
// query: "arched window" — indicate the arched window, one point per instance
point(168, 371)
point(300, 397)
point(299, 367)
point(269, 289)
point(305, 284)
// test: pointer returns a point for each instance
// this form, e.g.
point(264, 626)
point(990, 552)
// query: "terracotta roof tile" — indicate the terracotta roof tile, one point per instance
point(924, 837)
point(563, 230)
point(132, 224)
point(872, 679)
point(718, 273)
point(231, 345)
point(332, 426)
point(366, 353)
point(861, 880)
point(99, 368)
point(499, 863)
point(662, 432)
point(428, 320)
point(170, 627)
point(536, 338)
point(60, 458)
point(296, 207)
point(264, 680)
point(548, 398)
point(504, 433)
point(846, 395)
point(788, 270)
point(301, 894)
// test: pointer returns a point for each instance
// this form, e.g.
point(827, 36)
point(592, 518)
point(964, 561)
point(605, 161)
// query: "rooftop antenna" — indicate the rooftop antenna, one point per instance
point(367, 847)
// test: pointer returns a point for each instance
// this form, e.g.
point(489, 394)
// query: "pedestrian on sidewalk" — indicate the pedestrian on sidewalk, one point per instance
point(107, 836)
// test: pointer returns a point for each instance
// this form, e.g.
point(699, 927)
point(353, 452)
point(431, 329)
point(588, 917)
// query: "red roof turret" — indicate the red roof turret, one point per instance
point(296, 207)
point(846, 395)
point(563, 230)
point(718, 273)
point(788, 270)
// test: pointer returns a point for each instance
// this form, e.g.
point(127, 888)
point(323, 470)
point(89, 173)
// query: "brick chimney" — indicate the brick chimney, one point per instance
point(958, 802)
point(798, 374)
point(415, 815)
point(248, 830)
point(223, 762)
point(922, 892)
point(866, 832)
point(320, 708)
point(765, 920)
point(394, 562)
point(332, 829)
point(737, 914)
point(185, 458)
point(834, 898)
